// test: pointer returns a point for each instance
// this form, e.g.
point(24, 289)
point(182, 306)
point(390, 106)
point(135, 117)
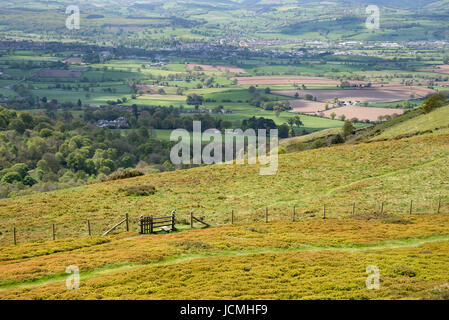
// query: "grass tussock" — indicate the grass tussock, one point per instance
point(439, 293)
point(384, 218)
point(256, 229)
point(123, 174)
point(138, 191)
point(405, 271)
point(188, 245)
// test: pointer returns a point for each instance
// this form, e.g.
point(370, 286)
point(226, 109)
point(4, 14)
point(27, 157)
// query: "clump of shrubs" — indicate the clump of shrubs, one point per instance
point(17, 173)
point(123, 174)
point(318, 143)
point(405, 271)
point(139, 191)
point(434, 102)
point(256, 229)
point(338, 139)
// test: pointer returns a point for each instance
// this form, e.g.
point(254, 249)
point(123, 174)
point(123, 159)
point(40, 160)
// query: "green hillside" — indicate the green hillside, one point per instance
point(336, 176)
point(414, 122)
point(370, 220)
point(436, 120)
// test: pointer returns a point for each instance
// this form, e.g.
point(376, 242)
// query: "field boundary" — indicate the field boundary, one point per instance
point(352, 209)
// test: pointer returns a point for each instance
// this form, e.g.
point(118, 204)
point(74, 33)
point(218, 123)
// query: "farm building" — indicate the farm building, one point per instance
point(117, 123)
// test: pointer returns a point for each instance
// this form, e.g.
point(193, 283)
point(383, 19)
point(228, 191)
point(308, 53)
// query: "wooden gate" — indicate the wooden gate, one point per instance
point(152, 224)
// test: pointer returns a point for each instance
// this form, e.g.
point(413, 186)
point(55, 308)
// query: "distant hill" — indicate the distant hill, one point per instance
point(407, 4)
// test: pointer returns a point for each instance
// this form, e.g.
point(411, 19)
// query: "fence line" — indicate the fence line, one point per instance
point(117, 225)
point(270, 216)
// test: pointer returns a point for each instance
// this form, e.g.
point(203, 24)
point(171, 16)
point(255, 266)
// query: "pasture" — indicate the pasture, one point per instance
point(437, 69)
point(218, 68)
point(276, 80)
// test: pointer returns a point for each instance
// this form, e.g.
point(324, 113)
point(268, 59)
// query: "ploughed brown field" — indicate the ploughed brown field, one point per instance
point(204, 67)
point(376, 94)
point(292, 80)
point(306, 106)
point(439, 69)
point(362, 113)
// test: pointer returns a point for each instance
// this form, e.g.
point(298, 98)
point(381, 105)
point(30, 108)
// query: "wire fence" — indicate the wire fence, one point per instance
point(92, 226)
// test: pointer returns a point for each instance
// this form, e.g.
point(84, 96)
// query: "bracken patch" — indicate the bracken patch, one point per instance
point(139, 191)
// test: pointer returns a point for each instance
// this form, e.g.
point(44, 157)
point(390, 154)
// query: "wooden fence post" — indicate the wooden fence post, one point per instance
point(293, 214)
point(353, 208)
point(439, 206)
point(382, 208)
point(191, 219)
point(266, 214)
point(127, 222)
point(173, 213)
point(232, 216)
point(411, 206)
point(53, 231)
point(141, 224)
point(88, 227)
point(151, 223)
point(324, 211)
point(15, 236)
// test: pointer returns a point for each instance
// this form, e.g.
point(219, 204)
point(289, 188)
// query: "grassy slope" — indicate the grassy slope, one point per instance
point(323, 258)
point(430, 121)
point(413, 123)
point(290, 143)
point(367, 174)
